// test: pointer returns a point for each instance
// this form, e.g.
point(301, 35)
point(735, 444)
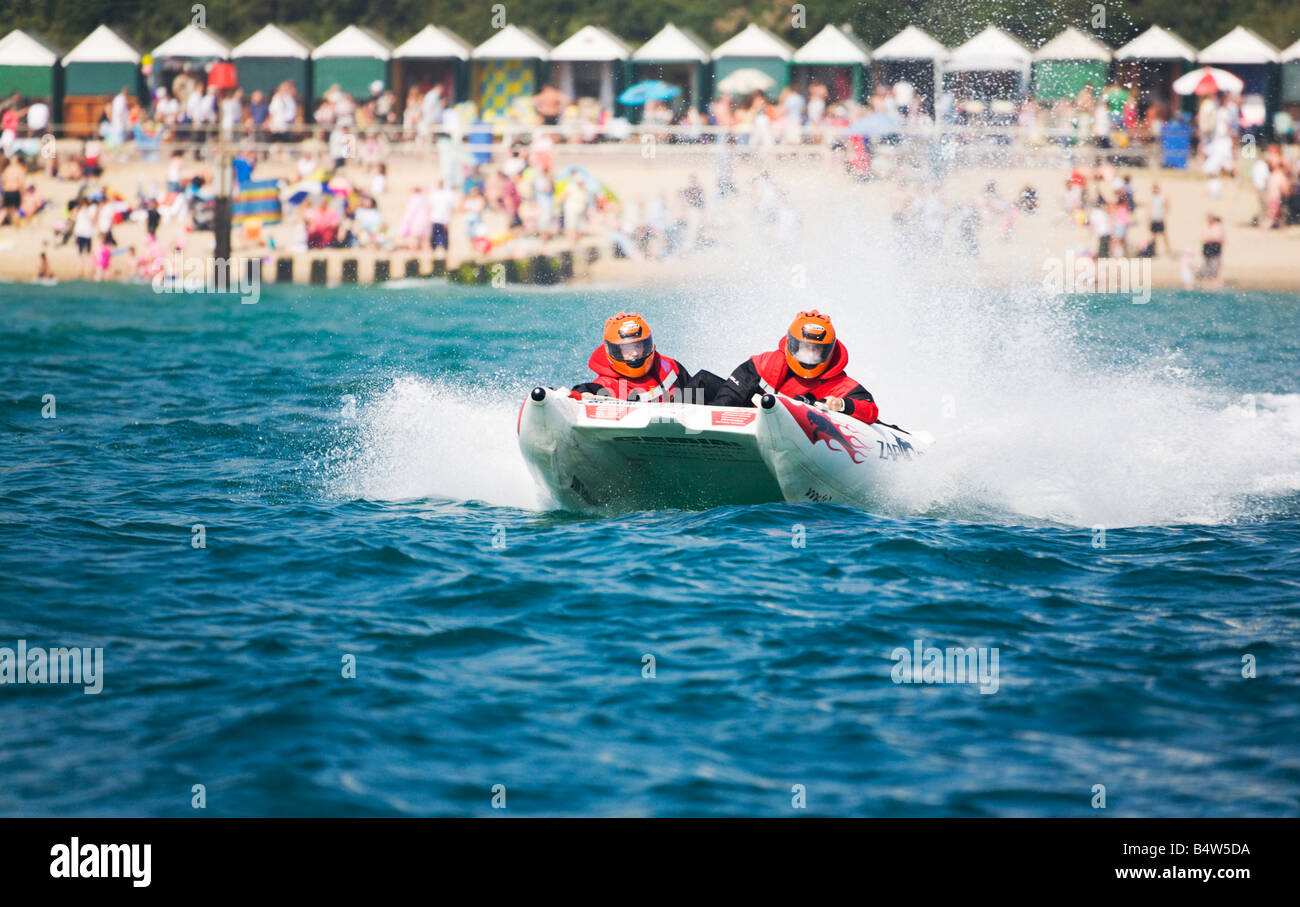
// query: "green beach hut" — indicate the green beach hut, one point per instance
point(507, 66)
point(676, 56)
point(270, 56)
point(754, 48)
point(100, 65)
point(94, 71)
point(29, 67)
point(1291, 74)
point(1068, 62)
point(352, 59)
point(835, 58)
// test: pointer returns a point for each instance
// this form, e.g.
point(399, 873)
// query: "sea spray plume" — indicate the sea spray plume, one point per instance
point(1033, 423)
point(419, 438)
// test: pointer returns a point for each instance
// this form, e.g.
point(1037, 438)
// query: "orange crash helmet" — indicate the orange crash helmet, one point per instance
point(629, 345)
point(810, 343)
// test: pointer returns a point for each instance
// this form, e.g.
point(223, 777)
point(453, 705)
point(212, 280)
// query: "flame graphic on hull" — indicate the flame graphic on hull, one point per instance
point(818, 427)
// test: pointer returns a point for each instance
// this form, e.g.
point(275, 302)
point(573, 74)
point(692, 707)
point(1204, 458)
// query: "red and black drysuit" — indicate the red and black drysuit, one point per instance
point(769, 373)
point(666, 381)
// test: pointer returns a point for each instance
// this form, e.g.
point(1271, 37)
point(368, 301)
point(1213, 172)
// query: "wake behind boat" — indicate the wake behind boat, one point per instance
point(615, 454)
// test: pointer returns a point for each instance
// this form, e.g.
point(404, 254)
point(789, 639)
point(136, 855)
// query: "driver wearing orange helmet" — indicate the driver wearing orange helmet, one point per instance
point(808, 364)
point(628, 367)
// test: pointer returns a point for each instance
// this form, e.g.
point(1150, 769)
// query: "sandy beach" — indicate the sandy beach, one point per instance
point(1254, 258)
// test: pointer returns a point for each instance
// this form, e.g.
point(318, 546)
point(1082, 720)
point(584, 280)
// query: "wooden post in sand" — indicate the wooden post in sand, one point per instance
point(221, 207)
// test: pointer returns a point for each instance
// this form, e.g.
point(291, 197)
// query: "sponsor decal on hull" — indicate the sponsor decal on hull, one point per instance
point(820, 427)
point(731, 418)
point(606, 412)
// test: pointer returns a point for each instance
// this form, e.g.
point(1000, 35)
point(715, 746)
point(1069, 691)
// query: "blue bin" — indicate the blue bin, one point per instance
point(1175, 145)
point(480, 134)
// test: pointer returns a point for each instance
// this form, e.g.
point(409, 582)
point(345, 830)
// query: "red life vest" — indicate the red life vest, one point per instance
point(653, 386)
point(775, 377)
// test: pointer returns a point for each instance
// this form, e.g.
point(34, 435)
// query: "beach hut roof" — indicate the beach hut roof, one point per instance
point(193, 42)
point(991, 49)
point(1241, 45)
point(19, 48)
point(833, 46)
point(591, 44)
point(514, 42)
point(673, 45)
point(911, 44)
point(354, 41)
point(753, 41)
point(273, 41)
point(103, 45)
point(1073, 44)
point(1156, 43)
point(434, 43)
point(1292, 53)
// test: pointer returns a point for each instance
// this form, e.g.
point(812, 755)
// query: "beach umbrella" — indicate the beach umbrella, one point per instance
point(299, 192)
point(652, 90)
point(746, 81)
point(1208, 80)
point(595, 186)
point(873, 125)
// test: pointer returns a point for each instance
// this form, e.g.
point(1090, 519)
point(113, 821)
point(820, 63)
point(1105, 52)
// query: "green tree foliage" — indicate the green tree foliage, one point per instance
point(65, 22)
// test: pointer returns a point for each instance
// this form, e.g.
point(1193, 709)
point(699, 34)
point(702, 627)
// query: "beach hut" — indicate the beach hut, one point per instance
point(836, 59)
point(591, 63)
point(991, 66)
point(1252, 59)
point(29, 67)
point(270, 56)
point(914, 57)
point(433, 56)
point(189, 50)
point(96, 69)
point(1067, 63)
point(101, 65)
point(676, 56)
point(507, 66)
point(1151, 62)
point(353, 59)
point(1291, 75)
point(754, 48)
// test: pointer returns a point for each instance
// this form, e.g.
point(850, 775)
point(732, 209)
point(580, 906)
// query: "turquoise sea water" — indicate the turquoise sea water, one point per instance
point(1113, 504)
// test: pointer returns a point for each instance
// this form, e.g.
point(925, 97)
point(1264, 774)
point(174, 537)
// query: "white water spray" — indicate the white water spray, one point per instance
point(1032, 424)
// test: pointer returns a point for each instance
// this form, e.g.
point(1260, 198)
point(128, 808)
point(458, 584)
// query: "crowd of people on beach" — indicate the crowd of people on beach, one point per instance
point(487, 200)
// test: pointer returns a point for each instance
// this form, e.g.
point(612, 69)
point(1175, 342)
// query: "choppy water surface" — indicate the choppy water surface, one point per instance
point(1114, 505)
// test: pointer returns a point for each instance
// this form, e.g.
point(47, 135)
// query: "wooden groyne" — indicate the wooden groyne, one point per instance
point(341, 267)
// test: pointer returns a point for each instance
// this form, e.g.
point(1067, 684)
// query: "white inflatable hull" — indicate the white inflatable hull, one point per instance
point(643, 456)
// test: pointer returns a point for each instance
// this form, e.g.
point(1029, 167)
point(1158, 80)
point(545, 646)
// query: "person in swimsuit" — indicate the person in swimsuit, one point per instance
point(1211, 252)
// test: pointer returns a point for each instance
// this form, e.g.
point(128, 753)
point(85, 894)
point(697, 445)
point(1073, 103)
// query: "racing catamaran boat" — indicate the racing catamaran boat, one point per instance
point(614, 454)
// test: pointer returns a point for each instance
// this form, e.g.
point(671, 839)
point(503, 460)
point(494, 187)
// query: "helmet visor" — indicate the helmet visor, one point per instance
point(631, 352)
point(807, 353)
